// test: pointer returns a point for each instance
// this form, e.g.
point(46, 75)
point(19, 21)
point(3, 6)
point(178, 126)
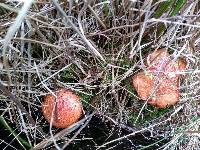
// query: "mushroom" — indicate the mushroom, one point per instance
point(68, 108)
point(159, 84)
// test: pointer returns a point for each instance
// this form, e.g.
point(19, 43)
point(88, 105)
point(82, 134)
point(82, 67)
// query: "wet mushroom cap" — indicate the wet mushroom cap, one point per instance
point(156, 57)
point(164, 100)
point(160, 94)
point(143, 85)
point(159, 85)
point(68, 108)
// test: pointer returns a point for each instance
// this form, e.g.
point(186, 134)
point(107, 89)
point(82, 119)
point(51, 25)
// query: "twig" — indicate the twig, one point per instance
point(39, 42)
point(76, 134)
point(97, 17)
point(20, 106)
point(12, 30)
point(93, 50)
point(62, 133)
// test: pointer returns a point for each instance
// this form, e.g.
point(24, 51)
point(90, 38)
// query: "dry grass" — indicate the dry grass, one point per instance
point(93, 48)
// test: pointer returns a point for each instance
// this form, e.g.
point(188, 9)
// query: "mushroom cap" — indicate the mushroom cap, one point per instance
point(155, 57)
point(168, 99)
point(166, 92)
point(160, 61)
point(160, 84)
point(67, 111)
point(143, 84)
point(161, 92)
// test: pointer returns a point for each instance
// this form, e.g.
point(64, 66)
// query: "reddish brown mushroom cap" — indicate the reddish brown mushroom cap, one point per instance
point(156, 57)
point(68, 108)
point(143, 85)
point(160, 84)
point(161, 93)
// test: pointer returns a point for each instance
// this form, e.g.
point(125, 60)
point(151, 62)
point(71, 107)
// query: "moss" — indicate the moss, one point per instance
point(85, 98)
point(69, 75)
point(148, 115)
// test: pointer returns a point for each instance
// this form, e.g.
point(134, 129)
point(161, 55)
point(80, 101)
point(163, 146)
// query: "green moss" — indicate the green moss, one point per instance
point(68, 75)
point(85, 98)
point(128, 85)
point(149, 114)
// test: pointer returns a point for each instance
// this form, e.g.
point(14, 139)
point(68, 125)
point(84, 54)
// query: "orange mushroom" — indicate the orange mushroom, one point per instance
point(68, 108)
point(159, 85)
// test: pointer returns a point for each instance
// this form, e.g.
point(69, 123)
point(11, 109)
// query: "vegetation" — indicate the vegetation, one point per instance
point(94, 48)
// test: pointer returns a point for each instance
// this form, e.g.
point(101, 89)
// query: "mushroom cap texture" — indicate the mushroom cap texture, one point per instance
point(67, 111)
point(160, 84)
